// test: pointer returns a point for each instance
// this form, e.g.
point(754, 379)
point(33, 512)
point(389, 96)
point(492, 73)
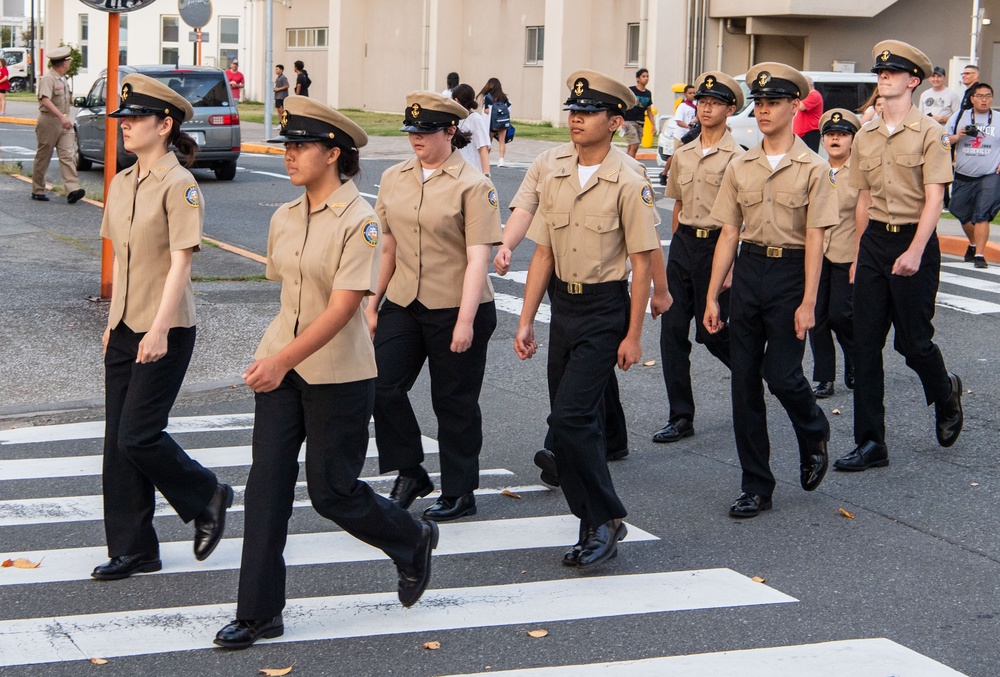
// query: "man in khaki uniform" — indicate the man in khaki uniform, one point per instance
point(901, 164)
point(782, 191)
point(54, 129)
point(694, 182)
point(834, 298)
point(594, 218)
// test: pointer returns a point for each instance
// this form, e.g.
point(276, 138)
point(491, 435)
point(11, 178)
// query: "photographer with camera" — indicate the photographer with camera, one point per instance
point(975, 196)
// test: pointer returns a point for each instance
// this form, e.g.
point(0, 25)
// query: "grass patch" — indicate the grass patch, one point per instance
point(224, 278)
point(30, 97)
point(206, 243)
point(12, 168)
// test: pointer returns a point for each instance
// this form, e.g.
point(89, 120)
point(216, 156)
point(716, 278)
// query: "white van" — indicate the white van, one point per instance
point(17, 67)
point(839, 90)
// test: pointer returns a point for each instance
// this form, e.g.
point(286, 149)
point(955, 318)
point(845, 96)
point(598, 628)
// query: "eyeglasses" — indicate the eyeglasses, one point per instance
point(982, 97)
point(709, 102)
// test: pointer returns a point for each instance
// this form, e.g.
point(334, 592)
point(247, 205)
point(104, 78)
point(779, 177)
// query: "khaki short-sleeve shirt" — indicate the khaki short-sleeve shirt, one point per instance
point(54, 87)
point(695, 177)
point(433, 222)
point(145, 222)
point(777, 205)
point(592, 229)
point(841, 240)
point(336, 246)
point(896, 167)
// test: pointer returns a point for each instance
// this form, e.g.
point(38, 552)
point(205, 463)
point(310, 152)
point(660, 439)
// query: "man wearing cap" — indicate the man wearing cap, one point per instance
point(694, 182)
point(782, 191)
point(235, 78)
point(54, 129)
point(834, 312)
point(594, 218)
point(900, 165)
point(939, 102)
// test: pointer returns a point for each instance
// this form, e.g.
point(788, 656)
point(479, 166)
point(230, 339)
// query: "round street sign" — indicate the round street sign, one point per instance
point(117, 6)
point(196, 13)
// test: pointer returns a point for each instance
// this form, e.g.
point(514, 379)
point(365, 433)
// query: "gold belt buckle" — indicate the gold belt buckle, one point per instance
point(574, 288)
point(701, 233)
point(774, 252)
point(893, 229)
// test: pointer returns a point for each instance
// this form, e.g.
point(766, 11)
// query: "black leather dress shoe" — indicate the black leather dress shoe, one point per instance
point(210, 525)
point(546, 462)
point(749, 505)
point(242, 634)
point(572, 556)
point(949, 414)
point(618, 454)
point(413, 579)
point(867, 455)
point(823, 390)
point(672, 432)
point(124, 566)
point(663, 179)
point(41, 197)
point(602, 543)
point(406, 490)
point(75, 196)
point(849, 376)
point(450, 508)
point(813, 464)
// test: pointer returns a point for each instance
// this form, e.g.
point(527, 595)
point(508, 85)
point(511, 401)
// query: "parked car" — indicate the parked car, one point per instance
point(839, 90)
point(17, 67)
point(215, 125)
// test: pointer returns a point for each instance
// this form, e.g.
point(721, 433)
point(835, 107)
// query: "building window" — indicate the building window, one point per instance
point(534, 45)
point(170, 49)
point(633, 45)
point(84, 39)
point(307, 38)
point(229, 40)
point(123, 40)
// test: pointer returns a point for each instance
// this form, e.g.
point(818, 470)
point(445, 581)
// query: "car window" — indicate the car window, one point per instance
point(13, 58)
point(95, 97)
point(747, 101)
point(201, 89)
point(844, 95)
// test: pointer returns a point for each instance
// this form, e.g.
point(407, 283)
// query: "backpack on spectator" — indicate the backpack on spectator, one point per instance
point(500, 115)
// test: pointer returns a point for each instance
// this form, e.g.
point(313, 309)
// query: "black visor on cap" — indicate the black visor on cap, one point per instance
point(583, 98)
point(420, 120)
point(887, 61)
point(716, 90)
point(134, 104)
point(839, 124)
point(765, 86)
point(299, 128)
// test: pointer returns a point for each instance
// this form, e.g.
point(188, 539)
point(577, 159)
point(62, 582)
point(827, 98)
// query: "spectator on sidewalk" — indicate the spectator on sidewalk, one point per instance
point(939, 102)
point(635, 117)
point(452, 82)
point(302, 80)
point(477, 153)
point(280, 88)
point(686, 113)
point(806, 122)
point(236, 80)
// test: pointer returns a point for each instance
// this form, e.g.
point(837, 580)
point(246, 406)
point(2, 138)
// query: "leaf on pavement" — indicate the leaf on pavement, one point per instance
point(99, 661)
point(22, 563)
point(509, 493)
point(759, 579)
point(7, 563)
point(276, 672)
point(537, 633)
point(649, 363)
point(431, 646)
point(836, 412)
point(845, 513)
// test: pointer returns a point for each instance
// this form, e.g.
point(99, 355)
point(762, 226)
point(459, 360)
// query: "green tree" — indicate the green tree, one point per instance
point(76, 56)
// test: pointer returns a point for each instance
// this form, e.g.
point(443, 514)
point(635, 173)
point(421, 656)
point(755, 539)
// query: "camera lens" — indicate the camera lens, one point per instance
point(971, 130)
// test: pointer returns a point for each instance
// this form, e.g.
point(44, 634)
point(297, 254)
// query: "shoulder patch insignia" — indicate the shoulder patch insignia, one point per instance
point(492, 198)
point(191, 195)
point(945, 141)
point(647, 196)
point(370, 232)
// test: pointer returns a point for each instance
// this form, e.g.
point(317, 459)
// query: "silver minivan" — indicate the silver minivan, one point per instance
point(215, 126)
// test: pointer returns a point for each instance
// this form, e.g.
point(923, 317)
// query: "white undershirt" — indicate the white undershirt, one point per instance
point(891, 128)
point(774, 160)
point(706, 151)
point(427, 173)
point(584, 172)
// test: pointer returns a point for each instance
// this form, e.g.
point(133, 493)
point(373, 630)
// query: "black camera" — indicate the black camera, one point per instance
point(971, 130)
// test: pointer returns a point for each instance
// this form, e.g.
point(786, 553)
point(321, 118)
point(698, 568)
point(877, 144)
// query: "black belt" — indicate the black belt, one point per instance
point(772, 252)
point(700, 233)
point(576, 288)
point(908, 228)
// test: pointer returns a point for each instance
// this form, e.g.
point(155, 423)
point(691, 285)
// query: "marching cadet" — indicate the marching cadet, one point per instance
point(782, 191)
point(901, 164)
point(523, 207)
point(153, 218)
point(694, 182)
point(441, 219)
point(54, 129)
point(834, 296)
point(314, 376)
point(595, 216)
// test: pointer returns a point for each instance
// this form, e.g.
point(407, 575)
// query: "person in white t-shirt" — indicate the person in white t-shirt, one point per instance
point(684, 115)
point(477, 153)
point(939, 102)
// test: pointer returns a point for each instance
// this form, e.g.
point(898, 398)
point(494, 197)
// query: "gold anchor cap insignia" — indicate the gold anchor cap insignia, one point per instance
point(709, 82)
point(284, 118)
point(763, 78)
point(885, 55)
point(126, 90)
point(415, 110)
point(578, 87)
point(836, 117)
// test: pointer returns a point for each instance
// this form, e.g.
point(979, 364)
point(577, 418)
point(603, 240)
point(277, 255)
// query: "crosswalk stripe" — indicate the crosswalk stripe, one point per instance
point(86, 508)
point(335, 547)
point(152, 631)
point(95, 429)
point(969, 282)
point(519, 276)
point(966, 304)
point(854, 657)
point(210, 457)
point(992, 270)
point(513, 304)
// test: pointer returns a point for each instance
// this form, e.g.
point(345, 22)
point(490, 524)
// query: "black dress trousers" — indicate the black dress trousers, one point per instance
point(333, 419)
point(765, 295)
point(689, 270)
point(834, 315)
point(881, 299)
point(404, 339)
point(584, 336)
point(139, 456)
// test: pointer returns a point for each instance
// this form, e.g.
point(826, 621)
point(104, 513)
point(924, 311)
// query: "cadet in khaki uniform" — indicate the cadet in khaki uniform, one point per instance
point(594, 218)
point(901, 164)
point(834, 306)
point(694, 182)
point(153, 217)
point(523, 208)
point(441, 219)
point(54, 129)
point(314, 376)
point(782, 191)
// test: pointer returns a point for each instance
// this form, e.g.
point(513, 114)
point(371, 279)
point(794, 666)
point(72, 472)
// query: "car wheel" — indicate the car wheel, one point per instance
point(225, 171)
point(82, 163)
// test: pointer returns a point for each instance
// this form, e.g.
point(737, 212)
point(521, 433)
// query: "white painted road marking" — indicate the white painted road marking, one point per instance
point(153, 631)
point(335, 547)
point(95, 429)
point(966, 305)
point(969, 282)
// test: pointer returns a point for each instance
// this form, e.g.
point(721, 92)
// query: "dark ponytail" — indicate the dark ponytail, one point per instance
point(349, 160)
point(180, 140)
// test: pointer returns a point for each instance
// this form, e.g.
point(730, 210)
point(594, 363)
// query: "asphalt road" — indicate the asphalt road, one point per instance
point(918, 564)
